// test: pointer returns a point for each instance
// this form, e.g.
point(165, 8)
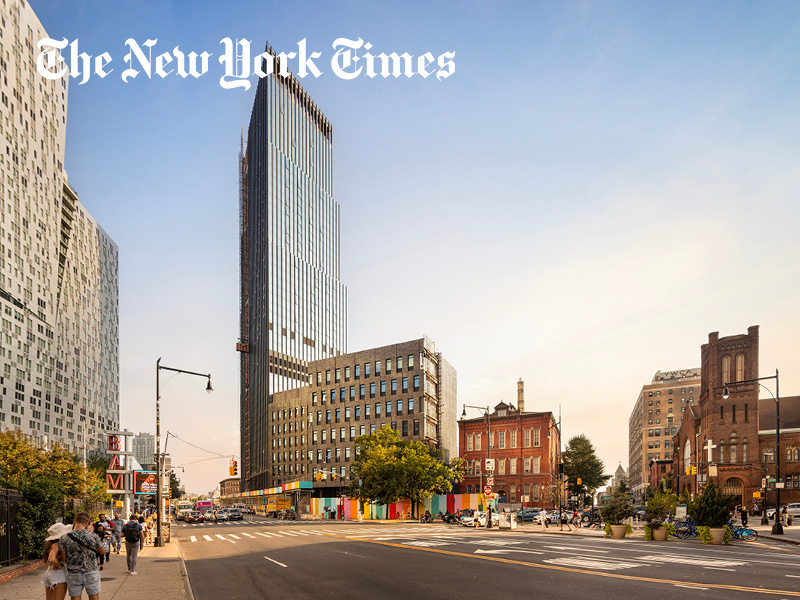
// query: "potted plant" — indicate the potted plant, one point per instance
point(710, 511)
point(659, 506)
point(618, 508)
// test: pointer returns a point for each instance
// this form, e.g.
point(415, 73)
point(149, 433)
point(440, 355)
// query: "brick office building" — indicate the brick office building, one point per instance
point(730, 435)
point(229, 486)
point(659, 469)
point(525, 446)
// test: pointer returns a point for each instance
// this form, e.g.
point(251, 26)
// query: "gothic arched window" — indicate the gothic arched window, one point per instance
point(726, 369)
point(733, 450)
point(740, 367)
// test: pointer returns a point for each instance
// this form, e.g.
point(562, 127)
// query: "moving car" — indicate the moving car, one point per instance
point(234, 514)
point(209, 516)
point(222, 515)
point(527, 514)
point(287, 514)
point(194, 516)
point(481, 517)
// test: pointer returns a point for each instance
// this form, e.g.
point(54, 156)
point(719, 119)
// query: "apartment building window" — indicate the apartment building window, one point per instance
point(352, 432)
point(513, 466)
point(536, 438)
point(410, 361)
point(526, 465)
point(478, 441)
point(388, 366)
point(399, 407)
point(314, 437)
point(319, 455)
point(394, 425)
point(372, 428)
point(319, 417)
point(367, 409)
point(399, 363)
point(501, 466)
point(338, 414)
point(324, 435)
point(405, 427)
point(366, 369)
point(324, 397)
point(357, 413)
point(502, 439)
point(416, 426)
point(328, 416)
point(327, 377)
point(513, 489)
point(333, 395)
point(389, 408)
point(342, 433)
point(416, 383)
point(377, 368)
point(372, 389)
point(338, 454)
point(383, 388)
point(513, 440)
point(347, 413)
point(337, 376)
point(313, 398)
point(405, 385)
point(361, 392)
point(347, 453)
point(535, 464)
point(362, 429)
point(319, 378)
point(347, 373)
point(377, 410)
point(469, 442)
point(394, 386)
point(357, 371)
point(410, 406)
point(526, 438)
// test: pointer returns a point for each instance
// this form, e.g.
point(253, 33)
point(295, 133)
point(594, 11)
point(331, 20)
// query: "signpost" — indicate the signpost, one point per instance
point(487, 490)
point(490, 481)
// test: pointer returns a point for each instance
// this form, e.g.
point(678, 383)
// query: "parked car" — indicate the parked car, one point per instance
point(792, 510)
point(222, 515)
point(481, 517)
point(235, 514)
point(209, 516)
point(550, 516)
point(194, 516)
point(527, 514)
point(287, 514)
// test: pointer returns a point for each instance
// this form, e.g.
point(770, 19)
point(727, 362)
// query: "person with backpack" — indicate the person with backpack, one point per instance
point(134, 541)
point(79, 551)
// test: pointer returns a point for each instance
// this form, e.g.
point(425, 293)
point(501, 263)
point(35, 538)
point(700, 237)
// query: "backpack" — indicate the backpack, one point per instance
point(131, 533)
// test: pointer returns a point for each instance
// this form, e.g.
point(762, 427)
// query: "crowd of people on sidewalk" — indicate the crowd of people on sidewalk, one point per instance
point(75, 554)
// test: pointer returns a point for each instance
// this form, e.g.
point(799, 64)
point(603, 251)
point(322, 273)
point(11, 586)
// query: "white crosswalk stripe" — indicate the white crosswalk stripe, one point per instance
point(192, 538)
point(591, 563)
point(209, 538)
point(248, 535)
point(222, 537)
point(262, 534)
point(236, 537)
point(688, 560)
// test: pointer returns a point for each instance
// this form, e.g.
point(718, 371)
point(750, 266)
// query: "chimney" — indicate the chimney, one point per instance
point(520, 395)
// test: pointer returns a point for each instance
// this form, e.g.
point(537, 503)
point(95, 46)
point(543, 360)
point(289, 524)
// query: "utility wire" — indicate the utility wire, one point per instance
point(218, 455)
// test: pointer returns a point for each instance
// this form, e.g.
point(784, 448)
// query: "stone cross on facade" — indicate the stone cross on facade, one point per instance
point(709, 447)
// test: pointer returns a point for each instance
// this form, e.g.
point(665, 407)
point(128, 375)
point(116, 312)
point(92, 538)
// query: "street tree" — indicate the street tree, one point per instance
point(387, 469)
point(581, 462)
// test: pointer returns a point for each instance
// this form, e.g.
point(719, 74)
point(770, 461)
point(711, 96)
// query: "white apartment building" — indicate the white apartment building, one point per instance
point(59, 358)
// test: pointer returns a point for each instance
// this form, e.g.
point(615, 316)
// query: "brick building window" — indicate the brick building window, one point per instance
point(536, 440)
point(513, 440)
point(792, 454)
point(739, 367)
point(502, 439)
point(478, 437)
point(526, 465)
point(469, 442)
point(526, 440)
point(535, 465)
point(768, 455)
point(513, 493)
point(501, 466)
point(513, 466)
point(726, 369)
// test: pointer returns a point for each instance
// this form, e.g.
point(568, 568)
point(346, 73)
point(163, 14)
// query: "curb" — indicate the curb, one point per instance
point(19, 571)
point(779, 539)
point(187, 585)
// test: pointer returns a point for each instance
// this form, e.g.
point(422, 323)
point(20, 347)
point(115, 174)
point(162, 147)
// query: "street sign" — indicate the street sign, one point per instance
point(763, 482)
point(487, 490)
point(490, 465)
point(490, 481)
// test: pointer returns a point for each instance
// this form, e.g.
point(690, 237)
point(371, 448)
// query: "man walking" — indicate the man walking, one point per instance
point(134, 541)
point(743, 515)
point(79, 551)
point(116, 537)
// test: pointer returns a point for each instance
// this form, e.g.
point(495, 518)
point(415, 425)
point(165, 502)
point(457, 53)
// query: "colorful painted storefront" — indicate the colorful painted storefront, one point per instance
point(435, 504)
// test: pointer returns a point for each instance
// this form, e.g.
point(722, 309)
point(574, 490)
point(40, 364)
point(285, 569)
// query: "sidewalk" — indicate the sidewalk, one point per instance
point(159, 576)
point(791, 533)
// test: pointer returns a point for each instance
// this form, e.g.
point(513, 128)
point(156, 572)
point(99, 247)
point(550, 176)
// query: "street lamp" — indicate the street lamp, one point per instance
point(777, 528)
point(488, 450)
point(159, 467)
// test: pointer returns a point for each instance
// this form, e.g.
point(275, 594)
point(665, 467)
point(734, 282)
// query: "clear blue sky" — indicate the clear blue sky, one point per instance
point(598, 186)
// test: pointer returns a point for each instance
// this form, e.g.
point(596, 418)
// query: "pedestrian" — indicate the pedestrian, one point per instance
point(145, 529)
point(118, 523)
point(104, 530)
point(134, 541)
point(743, 515)
point(564, 520)
point(756, 512)
point(575, 518)
point(55, 577)
point(79, 550)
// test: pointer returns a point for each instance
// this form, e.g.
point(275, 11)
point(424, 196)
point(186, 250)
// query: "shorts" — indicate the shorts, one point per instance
point(52, 577)
point(77, 582)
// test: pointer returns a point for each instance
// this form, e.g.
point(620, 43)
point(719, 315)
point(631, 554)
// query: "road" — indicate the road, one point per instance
point(322, 559)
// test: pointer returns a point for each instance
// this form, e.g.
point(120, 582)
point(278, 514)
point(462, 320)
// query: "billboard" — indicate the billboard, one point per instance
point(144, 483)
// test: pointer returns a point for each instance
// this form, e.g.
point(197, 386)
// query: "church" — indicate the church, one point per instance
point(728, 436)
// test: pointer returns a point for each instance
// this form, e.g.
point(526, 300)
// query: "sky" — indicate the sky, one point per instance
point(597, 187)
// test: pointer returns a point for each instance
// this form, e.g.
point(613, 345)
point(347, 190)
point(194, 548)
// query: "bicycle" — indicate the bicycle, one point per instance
point(743, 533)
point(685, 530)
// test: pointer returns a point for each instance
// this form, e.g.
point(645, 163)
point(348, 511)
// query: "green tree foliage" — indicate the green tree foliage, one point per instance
point(581, 461)
point(175, 485)
point(660, 504)
point(387, 468)
point(711, 508)
point(39, 510)
point(618, 508)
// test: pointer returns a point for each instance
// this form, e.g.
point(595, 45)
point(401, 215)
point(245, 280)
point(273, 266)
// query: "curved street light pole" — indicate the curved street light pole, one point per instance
point(159, 541)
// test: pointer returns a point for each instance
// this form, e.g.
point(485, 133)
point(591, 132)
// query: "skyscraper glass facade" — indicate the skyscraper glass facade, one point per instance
point(293, 304)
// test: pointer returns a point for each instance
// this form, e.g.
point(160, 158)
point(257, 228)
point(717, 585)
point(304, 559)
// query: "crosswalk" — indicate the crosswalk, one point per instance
point(356, 532)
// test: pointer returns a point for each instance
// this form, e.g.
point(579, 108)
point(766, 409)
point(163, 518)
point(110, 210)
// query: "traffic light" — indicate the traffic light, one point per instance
point(235, 468)
point(694, 470)
point(230, 468)
point(333, 476)
point(579, 481)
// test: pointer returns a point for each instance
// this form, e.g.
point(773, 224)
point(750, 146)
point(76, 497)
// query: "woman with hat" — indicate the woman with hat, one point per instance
point(55, 577)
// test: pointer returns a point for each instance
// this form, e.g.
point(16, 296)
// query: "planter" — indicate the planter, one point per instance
point(660, 534)
point(717, 535)
point(618, 531)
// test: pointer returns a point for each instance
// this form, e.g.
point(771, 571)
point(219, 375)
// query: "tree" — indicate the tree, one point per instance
point(712, 507)
point(388, 468)
point(175, 485)
point(581, 462)
point(618, 508)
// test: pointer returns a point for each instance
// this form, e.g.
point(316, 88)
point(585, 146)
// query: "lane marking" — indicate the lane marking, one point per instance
point(192, 538)
point(505, 551)
point(280, 564)
point(236, 537)
point(795, 576)
point(208, 538)
point(591, 563)
point(288, 533)
point(248, 535)
point(720, 569)
point(222, 537)
point(706, 586)
point(262, 534)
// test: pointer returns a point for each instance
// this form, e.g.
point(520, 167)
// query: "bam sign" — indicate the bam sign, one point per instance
point(117, 474)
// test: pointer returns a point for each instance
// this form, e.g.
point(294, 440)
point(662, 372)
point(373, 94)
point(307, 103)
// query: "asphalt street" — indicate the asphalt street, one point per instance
point(322, 559)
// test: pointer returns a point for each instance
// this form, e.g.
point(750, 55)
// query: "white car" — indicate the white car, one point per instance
point(792, 510)
point(549, 517)
point(481, 516)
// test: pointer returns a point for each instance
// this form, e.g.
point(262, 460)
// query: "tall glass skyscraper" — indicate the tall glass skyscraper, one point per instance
point(293, 305)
